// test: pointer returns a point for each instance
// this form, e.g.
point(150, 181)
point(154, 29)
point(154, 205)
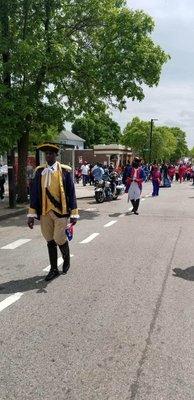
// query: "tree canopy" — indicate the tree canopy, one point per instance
point(191, 153)
point(97, 129)
point(169, 143)
point(60, 58)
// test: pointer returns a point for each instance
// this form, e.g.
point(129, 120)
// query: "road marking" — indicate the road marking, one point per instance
point(10, 300)
point(89, 238)
point(148, 195)
point(15, 244)
point(91, 209)
point(59, 262)
point(142, 199)
point(110, 224)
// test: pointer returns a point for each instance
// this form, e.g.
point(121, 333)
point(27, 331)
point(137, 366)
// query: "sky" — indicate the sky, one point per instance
point(172, 101)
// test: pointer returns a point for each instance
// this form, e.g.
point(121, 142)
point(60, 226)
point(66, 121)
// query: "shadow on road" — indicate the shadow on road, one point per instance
point(24, 285)
point(88, 214)
point(187, 274)
point(115, 215)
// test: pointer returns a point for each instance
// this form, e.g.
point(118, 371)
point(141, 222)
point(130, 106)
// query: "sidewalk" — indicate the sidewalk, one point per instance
point(5, 212)
point(84, 192)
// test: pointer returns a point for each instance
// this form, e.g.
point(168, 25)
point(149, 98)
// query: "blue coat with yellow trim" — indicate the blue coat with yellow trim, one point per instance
point(69, 190)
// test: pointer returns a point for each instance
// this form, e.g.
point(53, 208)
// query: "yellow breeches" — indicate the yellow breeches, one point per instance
point(53, 228)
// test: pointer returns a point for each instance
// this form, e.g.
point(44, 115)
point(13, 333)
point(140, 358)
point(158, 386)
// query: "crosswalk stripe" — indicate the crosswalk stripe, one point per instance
point(10, 300)
point(14, 245)
point(89, 238)
point(110, 224)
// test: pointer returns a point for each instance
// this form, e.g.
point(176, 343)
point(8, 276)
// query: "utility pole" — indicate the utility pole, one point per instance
point(151, 137)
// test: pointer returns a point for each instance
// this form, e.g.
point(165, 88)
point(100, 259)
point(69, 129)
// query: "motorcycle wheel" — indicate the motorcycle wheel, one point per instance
point(99, 196)
point(115, 196)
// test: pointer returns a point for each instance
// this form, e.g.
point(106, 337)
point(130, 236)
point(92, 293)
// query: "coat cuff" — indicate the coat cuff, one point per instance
point(74, 214)
point(32, 213)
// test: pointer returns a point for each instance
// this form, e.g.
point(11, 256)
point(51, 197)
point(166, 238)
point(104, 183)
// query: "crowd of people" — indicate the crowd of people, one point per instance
point(90, 173)
point(137, 172)
point(168, 172)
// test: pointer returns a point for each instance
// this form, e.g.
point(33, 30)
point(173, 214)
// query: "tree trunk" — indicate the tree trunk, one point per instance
point(22, 168)
point(11, 178)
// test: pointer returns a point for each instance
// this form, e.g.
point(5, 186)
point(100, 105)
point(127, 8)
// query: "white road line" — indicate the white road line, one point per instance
point(59, 262)
point(148, 195)
point(15, 244)
point(91, 209)
point(142, 199)
point(110, 224)
point(10, 300)
point(90, 238)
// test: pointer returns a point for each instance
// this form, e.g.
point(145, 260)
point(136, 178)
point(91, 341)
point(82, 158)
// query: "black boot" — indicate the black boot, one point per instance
point(66, 256)
point(136, 206)
point(54, 272)
point(133, 204)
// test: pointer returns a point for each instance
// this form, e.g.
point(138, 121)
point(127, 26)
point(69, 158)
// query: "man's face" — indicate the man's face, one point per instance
point(51, 157)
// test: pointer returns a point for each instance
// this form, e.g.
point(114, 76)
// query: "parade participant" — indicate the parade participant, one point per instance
point(134, 181)
point(192, 174)
point(181, 171)
point(171, 172)
point(177, 172)
point(53, 201)
point(156, 180)
point(188, 172)
point(85, 168)
point(126, 172)
point(97, 172)
point(165, 176)
point(2, 183)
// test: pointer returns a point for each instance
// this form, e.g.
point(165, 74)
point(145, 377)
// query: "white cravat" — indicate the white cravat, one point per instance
point(48, 171)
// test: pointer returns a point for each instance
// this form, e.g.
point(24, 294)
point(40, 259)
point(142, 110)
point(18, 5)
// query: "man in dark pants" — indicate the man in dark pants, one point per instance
point(53, 201)
point(2, 183)
point(134, 180)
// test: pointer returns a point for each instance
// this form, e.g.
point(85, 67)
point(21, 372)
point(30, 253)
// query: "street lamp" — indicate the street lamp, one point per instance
point(151, 136)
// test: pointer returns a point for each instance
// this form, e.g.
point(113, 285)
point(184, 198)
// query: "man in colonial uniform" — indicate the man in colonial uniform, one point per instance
point(53, 201)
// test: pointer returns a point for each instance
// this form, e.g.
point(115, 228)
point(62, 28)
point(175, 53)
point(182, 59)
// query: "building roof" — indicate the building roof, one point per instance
point(66, 135)
point(113, 146)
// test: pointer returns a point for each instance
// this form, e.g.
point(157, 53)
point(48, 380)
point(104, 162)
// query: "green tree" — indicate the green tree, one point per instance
point(191, 153)
point(164, 144)
point(136, 136)
point(60, 58)
point(181, 146)
point(97, 129)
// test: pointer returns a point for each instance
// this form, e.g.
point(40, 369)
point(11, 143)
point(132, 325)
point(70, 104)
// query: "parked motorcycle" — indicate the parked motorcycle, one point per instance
point(109, 188)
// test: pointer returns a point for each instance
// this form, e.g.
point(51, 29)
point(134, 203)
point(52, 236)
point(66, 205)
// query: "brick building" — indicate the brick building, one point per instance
point(105, 154)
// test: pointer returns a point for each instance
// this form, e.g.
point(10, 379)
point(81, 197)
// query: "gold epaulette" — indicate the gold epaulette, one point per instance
point(67, 167)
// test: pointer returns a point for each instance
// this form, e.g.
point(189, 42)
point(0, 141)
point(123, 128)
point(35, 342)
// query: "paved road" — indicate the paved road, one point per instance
point(120, 325)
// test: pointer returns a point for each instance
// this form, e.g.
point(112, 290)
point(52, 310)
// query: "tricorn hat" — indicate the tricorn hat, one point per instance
point(49, 147)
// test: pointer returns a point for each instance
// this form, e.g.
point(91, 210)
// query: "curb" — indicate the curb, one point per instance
point(13, 214)
point(22, 211)
point(85, 197)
